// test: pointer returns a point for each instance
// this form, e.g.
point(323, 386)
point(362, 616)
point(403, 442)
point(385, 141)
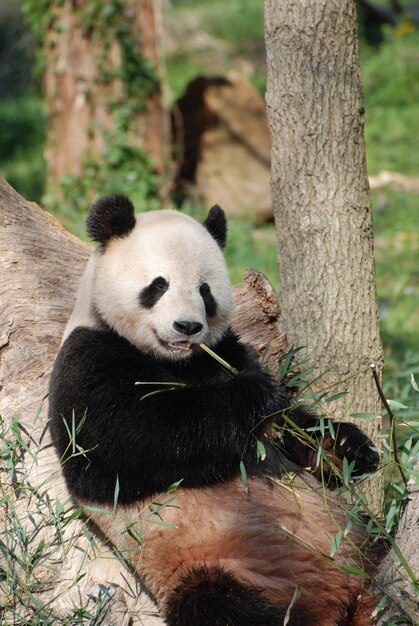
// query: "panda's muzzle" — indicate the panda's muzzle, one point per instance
point(188, 328)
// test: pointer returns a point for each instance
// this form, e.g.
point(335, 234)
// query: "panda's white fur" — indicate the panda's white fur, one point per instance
point(165, 244)
point(82, 314)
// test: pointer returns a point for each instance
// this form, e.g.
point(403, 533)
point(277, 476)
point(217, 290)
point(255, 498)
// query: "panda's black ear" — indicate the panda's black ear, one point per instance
point(110, 216)
point(216, 225)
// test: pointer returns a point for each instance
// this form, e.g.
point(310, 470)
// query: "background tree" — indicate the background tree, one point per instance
point(102, 76)
point(321, 198)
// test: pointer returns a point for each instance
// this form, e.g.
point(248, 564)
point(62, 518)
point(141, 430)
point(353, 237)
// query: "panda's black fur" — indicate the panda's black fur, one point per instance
point(138, 439)
point(195, 434)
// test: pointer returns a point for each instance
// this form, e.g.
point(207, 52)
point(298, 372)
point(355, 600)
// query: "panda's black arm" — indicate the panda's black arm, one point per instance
point(347, 439)
point(197, 434)
point(343, 440)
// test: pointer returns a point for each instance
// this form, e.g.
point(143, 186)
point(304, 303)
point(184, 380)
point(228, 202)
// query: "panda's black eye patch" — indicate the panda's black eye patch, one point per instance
point(153, 292)
point(209, 300)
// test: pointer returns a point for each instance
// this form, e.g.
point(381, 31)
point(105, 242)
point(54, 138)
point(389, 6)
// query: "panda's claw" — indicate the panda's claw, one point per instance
point(353, 444)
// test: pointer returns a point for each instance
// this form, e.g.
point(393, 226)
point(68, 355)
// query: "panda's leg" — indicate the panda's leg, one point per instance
point(211, 596)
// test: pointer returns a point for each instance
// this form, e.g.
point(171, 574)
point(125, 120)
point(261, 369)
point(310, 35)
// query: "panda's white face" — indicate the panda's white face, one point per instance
point(164, 286)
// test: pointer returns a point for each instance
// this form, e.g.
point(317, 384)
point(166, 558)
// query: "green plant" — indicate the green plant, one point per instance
point(39, 532)
point(35, 538)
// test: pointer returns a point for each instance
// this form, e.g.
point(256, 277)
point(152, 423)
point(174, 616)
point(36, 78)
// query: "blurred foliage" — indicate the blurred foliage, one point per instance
point(22, 139)
point(17, 48)
point(391, 87)
point(232, 24)
point(396, 252)
point(122, 167)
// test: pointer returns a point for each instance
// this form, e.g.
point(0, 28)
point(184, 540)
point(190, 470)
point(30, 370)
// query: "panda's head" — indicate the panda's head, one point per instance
point(160, 280)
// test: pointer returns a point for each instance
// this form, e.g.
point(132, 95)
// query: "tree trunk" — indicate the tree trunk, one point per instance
point(41, 265)
point(391, 577)
point(103, 75)
point(321, 199)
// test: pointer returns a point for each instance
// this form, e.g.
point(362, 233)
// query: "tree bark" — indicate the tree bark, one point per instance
point(153, 126)
point(41, 265)
point(321, 199)
point(84, 85)
point(391, 577)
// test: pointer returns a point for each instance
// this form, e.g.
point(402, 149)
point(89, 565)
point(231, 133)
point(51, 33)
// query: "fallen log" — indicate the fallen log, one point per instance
point(62, 566)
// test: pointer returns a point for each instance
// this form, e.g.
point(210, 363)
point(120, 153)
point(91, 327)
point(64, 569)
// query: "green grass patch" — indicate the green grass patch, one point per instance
point(233, 22)
point(390, 76)
point(397, 252)
point(249, 247)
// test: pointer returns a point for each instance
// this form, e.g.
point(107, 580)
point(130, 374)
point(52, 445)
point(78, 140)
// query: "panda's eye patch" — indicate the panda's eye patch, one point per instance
point(151, 294)
point(208, 298)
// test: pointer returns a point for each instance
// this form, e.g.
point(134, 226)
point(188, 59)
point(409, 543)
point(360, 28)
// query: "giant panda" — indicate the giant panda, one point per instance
point(153, 434)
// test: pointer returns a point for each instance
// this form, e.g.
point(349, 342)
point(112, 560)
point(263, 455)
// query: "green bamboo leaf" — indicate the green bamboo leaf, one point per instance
point(73, 431)
point(116, 494)
point(97, 509)
point(352, 569)
point(160, 522)
point(336, 396)
point(133, 532)
point(336, 543)
point(319, 455)
point(244, 476)
point(347, 468)
point(380, 606)
point(174, 486)
point(396, 406)
point(260, 451)
point(414, 383)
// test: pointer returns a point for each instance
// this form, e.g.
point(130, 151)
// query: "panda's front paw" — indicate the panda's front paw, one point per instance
point(353, 444)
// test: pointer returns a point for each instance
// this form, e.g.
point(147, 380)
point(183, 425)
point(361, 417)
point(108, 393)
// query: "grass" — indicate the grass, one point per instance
point(391, 88)
point(396, 252)
point(37, 535)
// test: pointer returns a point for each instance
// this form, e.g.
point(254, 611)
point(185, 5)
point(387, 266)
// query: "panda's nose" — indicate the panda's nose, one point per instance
point(187, 328)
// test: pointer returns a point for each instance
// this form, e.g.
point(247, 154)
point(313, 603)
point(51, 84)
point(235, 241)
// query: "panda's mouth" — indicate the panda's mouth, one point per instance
point(176, 347)
point(180, 346)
